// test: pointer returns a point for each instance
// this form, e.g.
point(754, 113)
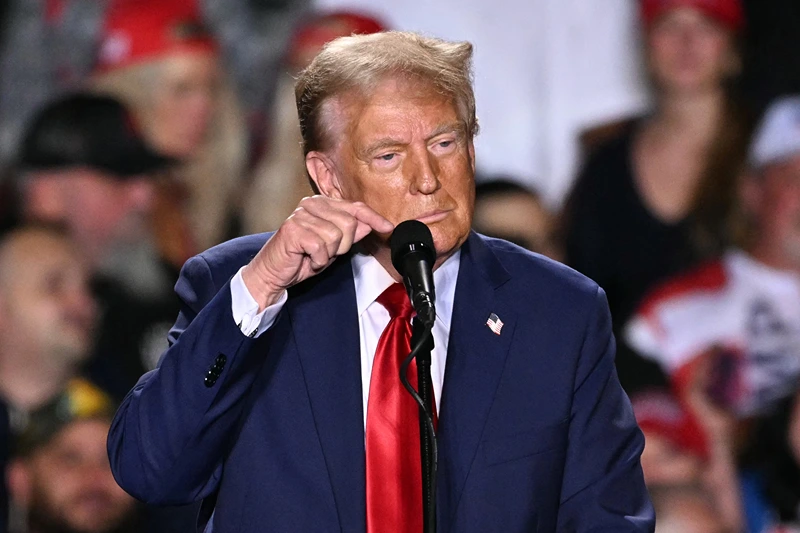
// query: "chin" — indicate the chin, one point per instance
point(446, 241)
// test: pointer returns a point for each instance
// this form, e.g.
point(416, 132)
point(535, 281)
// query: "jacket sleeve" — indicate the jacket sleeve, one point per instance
point(168, 439)
point(603, 488)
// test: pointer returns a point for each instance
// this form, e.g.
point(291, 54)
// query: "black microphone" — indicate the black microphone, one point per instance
point(413, 256)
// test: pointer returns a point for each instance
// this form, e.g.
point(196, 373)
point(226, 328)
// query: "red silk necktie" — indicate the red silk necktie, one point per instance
point(394, 478)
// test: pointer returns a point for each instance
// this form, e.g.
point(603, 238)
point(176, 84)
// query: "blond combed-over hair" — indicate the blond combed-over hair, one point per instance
point(359, 62)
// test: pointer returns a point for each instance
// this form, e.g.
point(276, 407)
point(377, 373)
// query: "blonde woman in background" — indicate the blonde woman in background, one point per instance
point(158, 58)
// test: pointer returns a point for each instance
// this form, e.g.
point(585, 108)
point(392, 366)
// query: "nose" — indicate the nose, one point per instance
point(425, 172)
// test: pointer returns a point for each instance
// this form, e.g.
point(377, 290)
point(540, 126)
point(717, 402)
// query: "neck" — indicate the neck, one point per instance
point(28, 380)
point(383, 254)
point(692, 117)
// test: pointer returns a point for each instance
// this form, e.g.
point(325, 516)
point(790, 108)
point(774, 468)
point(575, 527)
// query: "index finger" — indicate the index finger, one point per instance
point(366, 215)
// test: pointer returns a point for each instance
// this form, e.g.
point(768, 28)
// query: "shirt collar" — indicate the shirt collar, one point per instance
point(371, 279)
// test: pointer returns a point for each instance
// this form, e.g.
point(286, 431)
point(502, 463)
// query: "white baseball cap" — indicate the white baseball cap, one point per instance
point(778, 136)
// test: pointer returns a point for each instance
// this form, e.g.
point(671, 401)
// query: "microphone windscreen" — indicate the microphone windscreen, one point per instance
point(411, 236)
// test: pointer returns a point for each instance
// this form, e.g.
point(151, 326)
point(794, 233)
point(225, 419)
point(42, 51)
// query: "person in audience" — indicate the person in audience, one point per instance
point(771, 470)
point(42, 281)
point(679, 452)
point(280, 180)
point(60, 478)
point(686, 509)
point(728, 332)
point(653, 202)
point(47, 315)
point(507, 210)
point(159, 58)
point(737, 318)
point(86, 167)
point(675, 450)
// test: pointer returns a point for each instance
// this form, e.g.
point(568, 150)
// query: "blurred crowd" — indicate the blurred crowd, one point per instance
point(653, 145)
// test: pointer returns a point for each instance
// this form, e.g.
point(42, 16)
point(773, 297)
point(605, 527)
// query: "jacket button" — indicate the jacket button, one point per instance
point(221, 360)
point(209, 381)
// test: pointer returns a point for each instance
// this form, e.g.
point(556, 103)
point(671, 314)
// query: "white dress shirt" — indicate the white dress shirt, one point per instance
point(371, 279)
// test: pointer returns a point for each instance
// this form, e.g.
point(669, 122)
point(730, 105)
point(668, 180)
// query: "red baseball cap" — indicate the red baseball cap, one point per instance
point(660, 413)
point(137, 30)
point(728, 12)
point(328, 26)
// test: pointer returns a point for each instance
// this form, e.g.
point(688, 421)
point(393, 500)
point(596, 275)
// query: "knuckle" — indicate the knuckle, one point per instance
point(336, 233)
point(350, 224)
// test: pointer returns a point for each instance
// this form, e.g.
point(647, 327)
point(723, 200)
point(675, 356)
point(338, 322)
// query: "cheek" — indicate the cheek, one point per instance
point(57, 488)
point(663, 49)
point(782, 209)
point(714, 52)
point(98, 211)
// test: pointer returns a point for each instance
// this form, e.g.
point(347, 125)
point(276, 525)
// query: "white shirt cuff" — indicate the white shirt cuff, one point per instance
point(245, 309)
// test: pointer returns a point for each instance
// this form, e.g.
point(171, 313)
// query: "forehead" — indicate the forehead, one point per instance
point(32, 255)
point(86, 436)
point(783, 170)
point(392, 107)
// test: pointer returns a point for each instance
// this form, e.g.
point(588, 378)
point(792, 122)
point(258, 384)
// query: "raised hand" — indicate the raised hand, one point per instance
point(320, 230)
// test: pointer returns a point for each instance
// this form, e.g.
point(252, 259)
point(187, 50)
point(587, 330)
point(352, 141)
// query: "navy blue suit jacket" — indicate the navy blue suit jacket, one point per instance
point(535, 432)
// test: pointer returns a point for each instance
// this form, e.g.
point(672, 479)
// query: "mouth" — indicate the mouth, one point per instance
point(434, 216)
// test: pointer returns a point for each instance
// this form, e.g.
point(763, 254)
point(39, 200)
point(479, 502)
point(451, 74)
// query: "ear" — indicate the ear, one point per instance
point(20, 484)
point(324, 174)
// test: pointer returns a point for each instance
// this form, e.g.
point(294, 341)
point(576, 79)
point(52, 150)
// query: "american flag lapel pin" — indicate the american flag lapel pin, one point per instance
point(495, 324)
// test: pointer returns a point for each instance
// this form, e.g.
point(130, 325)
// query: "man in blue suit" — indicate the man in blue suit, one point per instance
point(266, 405)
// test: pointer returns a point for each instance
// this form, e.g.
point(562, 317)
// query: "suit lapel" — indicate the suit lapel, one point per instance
point(324, 320)
point(475, 360)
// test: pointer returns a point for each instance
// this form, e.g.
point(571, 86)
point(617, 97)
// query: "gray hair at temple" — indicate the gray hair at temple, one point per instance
point(359, 62)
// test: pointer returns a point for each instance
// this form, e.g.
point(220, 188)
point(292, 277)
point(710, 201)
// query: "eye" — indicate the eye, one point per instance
point(444, 146)
point(386, 157)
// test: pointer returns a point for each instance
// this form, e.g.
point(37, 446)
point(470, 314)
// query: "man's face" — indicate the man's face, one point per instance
point(69, 483)
point(184, 104)
point(44, 283)
point(406, 153)
point(103, 209)
point(689, 51)
point(777, 209)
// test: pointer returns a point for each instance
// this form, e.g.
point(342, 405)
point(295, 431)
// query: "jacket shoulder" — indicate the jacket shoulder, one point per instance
point(540, 273)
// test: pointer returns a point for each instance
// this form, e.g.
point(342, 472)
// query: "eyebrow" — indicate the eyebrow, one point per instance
point(451, 127)
point(380, 144)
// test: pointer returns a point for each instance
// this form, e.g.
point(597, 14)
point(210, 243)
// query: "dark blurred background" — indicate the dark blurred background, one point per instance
point(653, 145)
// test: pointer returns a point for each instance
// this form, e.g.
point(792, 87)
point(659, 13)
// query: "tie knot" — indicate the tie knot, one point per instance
point(395, 300)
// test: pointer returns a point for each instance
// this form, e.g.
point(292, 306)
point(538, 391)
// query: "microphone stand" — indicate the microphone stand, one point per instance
point(427, 438)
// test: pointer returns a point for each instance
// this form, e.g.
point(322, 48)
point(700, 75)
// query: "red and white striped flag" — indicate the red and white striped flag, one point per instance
point(495, 324)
